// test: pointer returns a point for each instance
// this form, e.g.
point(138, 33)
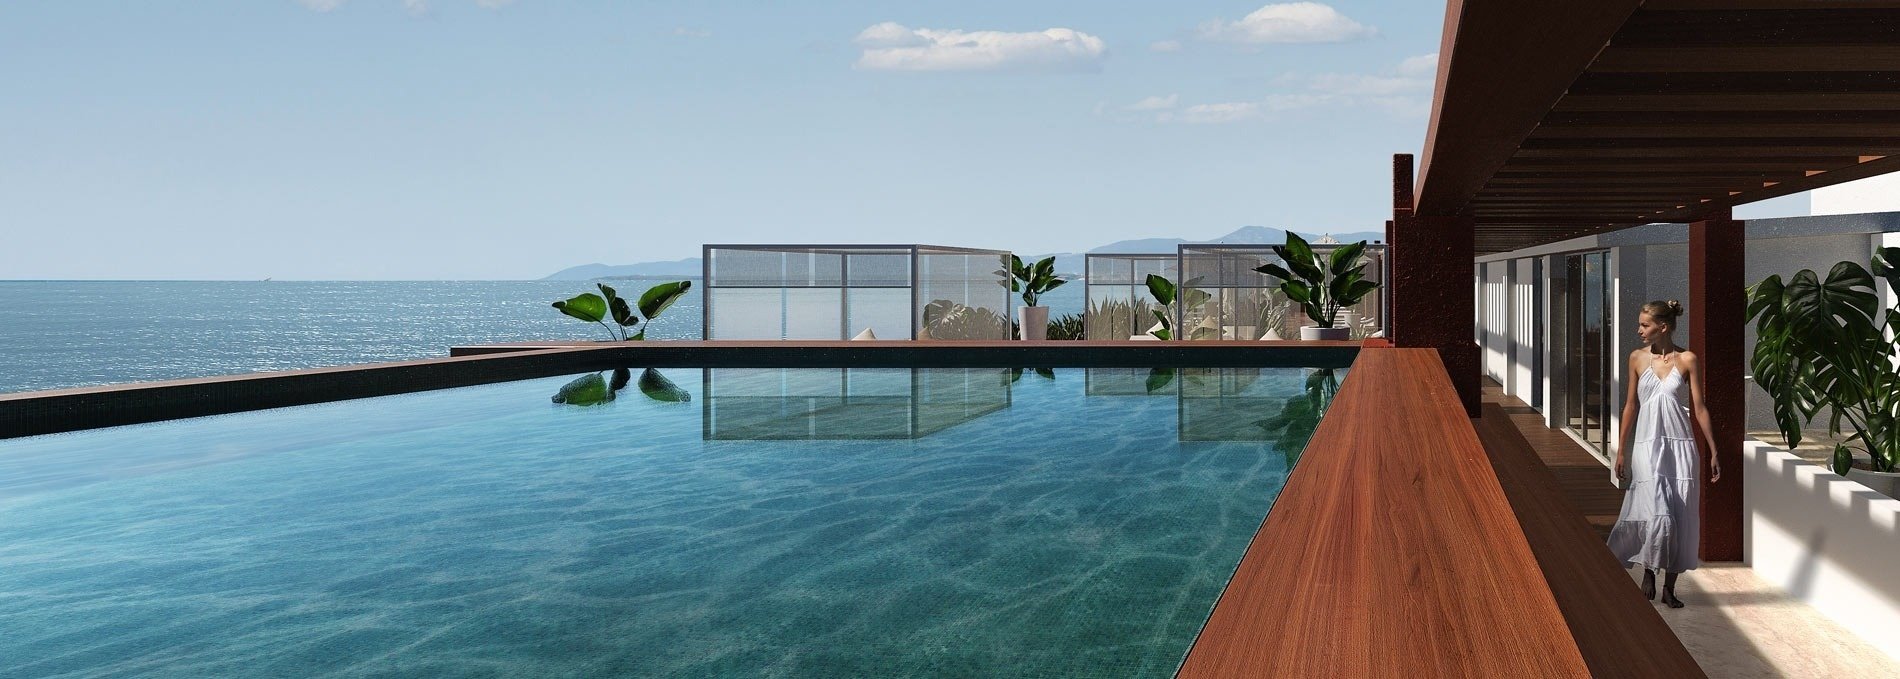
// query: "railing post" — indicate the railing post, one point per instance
point(1717, 305)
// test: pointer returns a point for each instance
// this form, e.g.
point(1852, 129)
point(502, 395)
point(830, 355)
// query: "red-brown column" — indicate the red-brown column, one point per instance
point(1431, 285)
point(1432, 301)
point(1716, 307)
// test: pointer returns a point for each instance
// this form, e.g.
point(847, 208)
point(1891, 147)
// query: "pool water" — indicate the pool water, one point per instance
point(700, 523)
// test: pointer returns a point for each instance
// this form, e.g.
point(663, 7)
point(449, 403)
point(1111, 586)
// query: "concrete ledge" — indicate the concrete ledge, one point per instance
point(50, 412)
point(1829, 542)
point(948, 354)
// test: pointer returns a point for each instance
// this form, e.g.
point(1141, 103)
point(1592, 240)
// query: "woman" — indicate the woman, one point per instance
point(1657, 528)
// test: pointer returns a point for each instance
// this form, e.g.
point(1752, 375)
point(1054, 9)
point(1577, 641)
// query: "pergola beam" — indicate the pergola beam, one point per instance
point(1502, 66)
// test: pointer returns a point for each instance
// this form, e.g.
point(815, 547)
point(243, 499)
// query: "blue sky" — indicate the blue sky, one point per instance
point(457, 139)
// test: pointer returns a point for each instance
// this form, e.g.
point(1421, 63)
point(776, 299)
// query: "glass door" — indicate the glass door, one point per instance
point(1584, 341)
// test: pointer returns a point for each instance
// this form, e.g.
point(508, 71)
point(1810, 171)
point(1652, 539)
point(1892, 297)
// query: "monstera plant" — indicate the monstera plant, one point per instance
point(1321, 286)
point(609, 306)
point(1827, 344)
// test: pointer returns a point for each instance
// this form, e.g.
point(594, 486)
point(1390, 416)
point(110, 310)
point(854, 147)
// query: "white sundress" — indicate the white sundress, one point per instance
point(1658, 528)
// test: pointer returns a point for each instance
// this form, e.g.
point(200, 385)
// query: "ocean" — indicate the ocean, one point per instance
point(58, 334)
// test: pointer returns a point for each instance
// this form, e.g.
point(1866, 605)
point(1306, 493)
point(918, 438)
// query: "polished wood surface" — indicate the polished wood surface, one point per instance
point(1583, 479)
point(1393, 551)
point(1618, 632)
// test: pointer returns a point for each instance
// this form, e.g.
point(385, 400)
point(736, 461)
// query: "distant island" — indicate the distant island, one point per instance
point(1066, 262)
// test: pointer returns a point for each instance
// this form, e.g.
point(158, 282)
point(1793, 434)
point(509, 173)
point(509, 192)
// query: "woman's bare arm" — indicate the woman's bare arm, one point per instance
point(1693, 371)
point(1629, 417)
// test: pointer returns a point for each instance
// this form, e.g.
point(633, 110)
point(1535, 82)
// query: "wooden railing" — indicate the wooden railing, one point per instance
point(1394, 550)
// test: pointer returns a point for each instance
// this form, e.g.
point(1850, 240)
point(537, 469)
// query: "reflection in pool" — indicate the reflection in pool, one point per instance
point(947, 523)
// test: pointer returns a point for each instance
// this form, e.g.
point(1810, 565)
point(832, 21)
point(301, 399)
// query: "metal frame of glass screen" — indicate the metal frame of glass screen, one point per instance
point(1238, 277)
point(1177, 268)
point(913, 252)
point(1128, 271)
point(1582, 347)
point(798, 404)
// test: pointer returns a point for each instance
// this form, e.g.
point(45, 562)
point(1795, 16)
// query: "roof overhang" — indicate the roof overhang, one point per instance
point(1562, 118)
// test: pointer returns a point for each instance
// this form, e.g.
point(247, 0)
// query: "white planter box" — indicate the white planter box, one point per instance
point(1829, 542)
point(1313, 332)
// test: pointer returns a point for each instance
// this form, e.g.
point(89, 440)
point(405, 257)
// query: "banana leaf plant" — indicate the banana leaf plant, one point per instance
point(610, 306)
point(591, 389)
point(1032, 280)
point(1321, 286)
point(1299, 415)
point(1826, 344)
point(1167, 294)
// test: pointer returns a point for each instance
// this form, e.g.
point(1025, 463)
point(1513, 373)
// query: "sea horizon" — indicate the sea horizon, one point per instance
point(60, 334)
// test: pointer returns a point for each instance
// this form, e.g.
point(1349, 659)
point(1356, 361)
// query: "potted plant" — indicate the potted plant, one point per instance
point(607, 306)
point(1032, 281)
point(1828, 344)
point(1321, 286)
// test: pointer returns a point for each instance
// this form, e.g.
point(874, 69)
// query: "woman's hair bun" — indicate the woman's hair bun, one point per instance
point(1664, 312)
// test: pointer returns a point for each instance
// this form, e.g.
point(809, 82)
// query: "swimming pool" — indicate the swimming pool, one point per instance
point(776, 522)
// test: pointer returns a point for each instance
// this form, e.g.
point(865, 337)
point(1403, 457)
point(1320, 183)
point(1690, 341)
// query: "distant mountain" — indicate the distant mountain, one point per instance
point(587, 272)
point(1075, 262)
point(1066, 262)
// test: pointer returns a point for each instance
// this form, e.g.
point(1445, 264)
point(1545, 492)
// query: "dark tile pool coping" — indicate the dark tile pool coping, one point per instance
point(62, 410)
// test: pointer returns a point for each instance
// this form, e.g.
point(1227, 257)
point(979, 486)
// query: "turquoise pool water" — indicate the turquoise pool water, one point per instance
point(714, 523)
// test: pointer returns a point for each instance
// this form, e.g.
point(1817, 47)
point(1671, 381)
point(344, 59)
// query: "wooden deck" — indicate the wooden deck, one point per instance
point(1584, 481)
point(1391, 552)
point(1548, 477)
point(1409, 543)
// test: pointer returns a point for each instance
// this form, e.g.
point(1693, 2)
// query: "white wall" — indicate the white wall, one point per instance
point(1524, 329)
point(1546, 343)
point(1888, 296)
point(1495, 334)
point(1873, 194)
point(1829, 542)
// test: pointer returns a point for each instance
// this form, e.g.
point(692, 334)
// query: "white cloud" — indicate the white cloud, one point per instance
point(415, 7)
point(1154, 103)
point(1166, 46)
point(1213, 114)
point(1368, 85)
point(890, 46)
point(1404, 92)
point(1292, 22)
point(1403, 107)
point(1421, 65)
point(1239, 111)
point(692, 32)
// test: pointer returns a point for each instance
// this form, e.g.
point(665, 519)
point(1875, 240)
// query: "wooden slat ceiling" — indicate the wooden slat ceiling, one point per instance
point(1560, 119)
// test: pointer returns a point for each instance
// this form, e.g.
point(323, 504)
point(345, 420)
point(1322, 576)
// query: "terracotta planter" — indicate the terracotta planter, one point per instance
point(1313, 332)
point(1033, 323)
